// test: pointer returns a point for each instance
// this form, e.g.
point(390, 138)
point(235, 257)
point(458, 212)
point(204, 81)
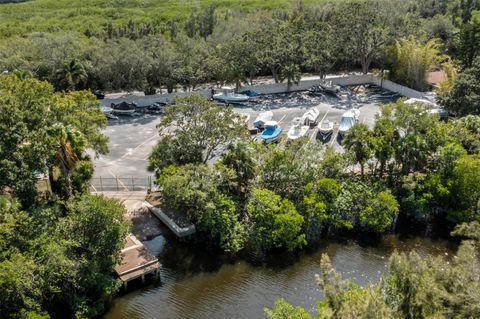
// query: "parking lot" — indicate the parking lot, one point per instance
point(133, 137)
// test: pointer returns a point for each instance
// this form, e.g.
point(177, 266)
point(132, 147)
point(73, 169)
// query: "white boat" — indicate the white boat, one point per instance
point(349, 119)
point(311, 117)
point(108, 111)
point(297, 130)
point(228, 95)
point(262, 118)
point(271, 133)
point(325, 129)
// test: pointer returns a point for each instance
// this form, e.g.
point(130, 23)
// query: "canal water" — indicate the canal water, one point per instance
point(197, 285)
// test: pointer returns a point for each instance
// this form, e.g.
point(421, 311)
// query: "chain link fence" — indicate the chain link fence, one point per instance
point(121, 184)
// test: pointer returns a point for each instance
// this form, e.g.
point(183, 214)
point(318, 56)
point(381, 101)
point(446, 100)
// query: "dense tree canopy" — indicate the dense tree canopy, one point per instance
point(463, 98)
point(57, 248)
point(174, 46)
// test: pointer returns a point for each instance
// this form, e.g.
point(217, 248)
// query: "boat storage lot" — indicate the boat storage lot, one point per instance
point(132, 137)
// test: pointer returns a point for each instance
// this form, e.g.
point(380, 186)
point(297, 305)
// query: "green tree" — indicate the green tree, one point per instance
point(358, 140)
point(240, 158)
point(463, 99)
point(30, 112)
point(71, 75)
point(466, 189)
point(275, 221)
point(283, 310)
point(380, 211)
point(466, 131)
point(200, 125)
point(317, 206)
point(411, 59)
point(469, 42)
point(291, 73)
point(383, 143)
point(319, 48)
point(22, 74)
point(363, 29)
point(96, 228)
point(363, 205)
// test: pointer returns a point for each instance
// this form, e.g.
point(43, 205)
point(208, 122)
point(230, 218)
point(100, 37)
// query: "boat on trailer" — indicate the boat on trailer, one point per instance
point(349, 119)
point(229, 96)
point(297, 130)
point(124, 108)
point(325, 129)
point(271, 133)
point(262, 118)
point(329, 87)
point(310, 117)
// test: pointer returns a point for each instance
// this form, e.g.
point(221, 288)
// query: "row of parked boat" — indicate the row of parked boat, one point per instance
point(271, 129)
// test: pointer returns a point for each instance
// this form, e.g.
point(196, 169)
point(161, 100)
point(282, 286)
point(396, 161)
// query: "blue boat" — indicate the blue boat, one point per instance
point(250, 93)
point(271, 133)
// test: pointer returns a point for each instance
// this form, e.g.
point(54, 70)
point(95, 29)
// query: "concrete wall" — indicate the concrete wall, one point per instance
point(149, 99)
point(279, 88)
point(394, 87)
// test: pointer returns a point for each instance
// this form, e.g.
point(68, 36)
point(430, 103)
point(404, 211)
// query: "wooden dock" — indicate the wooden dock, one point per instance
point(136, 262)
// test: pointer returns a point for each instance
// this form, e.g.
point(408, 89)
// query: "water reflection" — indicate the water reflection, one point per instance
point(196, 284)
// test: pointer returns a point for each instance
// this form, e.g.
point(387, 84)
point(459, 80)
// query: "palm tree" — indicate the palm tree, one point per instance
point(22, 74)
point(292, 74)
point(71, 74)
point(358, 140)
point(69, 145)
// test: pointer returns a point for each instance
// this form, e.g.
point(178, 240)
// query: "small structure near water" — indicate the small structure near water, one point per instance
point(136, 262)
point(180, 232)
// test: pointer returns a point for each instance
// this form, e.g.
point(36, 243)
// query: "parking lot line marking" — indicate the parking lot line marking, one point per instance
point(282, 119)
point(119, 181)
point(324, 116)
point(334, 137)
point(314, 135)
point(140, 145)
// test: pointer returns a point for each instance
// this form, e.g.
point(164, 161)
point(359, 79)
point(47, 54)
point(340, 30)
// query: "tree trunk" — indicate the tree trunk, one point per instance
point(274, 74)
point(365, 65)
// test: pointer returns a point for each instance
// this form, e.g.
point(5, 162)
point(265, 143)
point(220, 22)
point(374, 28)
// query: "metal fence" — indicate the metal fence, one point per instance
point(106, 184)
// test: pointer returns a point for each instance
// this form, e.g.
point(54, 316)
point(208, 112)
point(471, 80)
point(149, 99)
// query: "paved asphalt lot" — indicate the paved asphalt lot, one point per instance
point(132, 137)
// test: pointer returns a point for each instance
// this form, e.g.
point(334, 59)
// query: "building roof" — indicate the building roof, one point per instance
point(434, 78)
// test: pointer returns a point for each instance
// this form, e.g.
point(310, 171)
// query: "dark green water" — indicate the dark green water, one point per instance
point(195, 285)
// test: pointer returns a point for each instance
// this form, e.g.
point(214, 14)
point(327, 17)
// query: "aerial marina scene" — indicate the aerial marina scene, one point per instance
point(207, 159)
